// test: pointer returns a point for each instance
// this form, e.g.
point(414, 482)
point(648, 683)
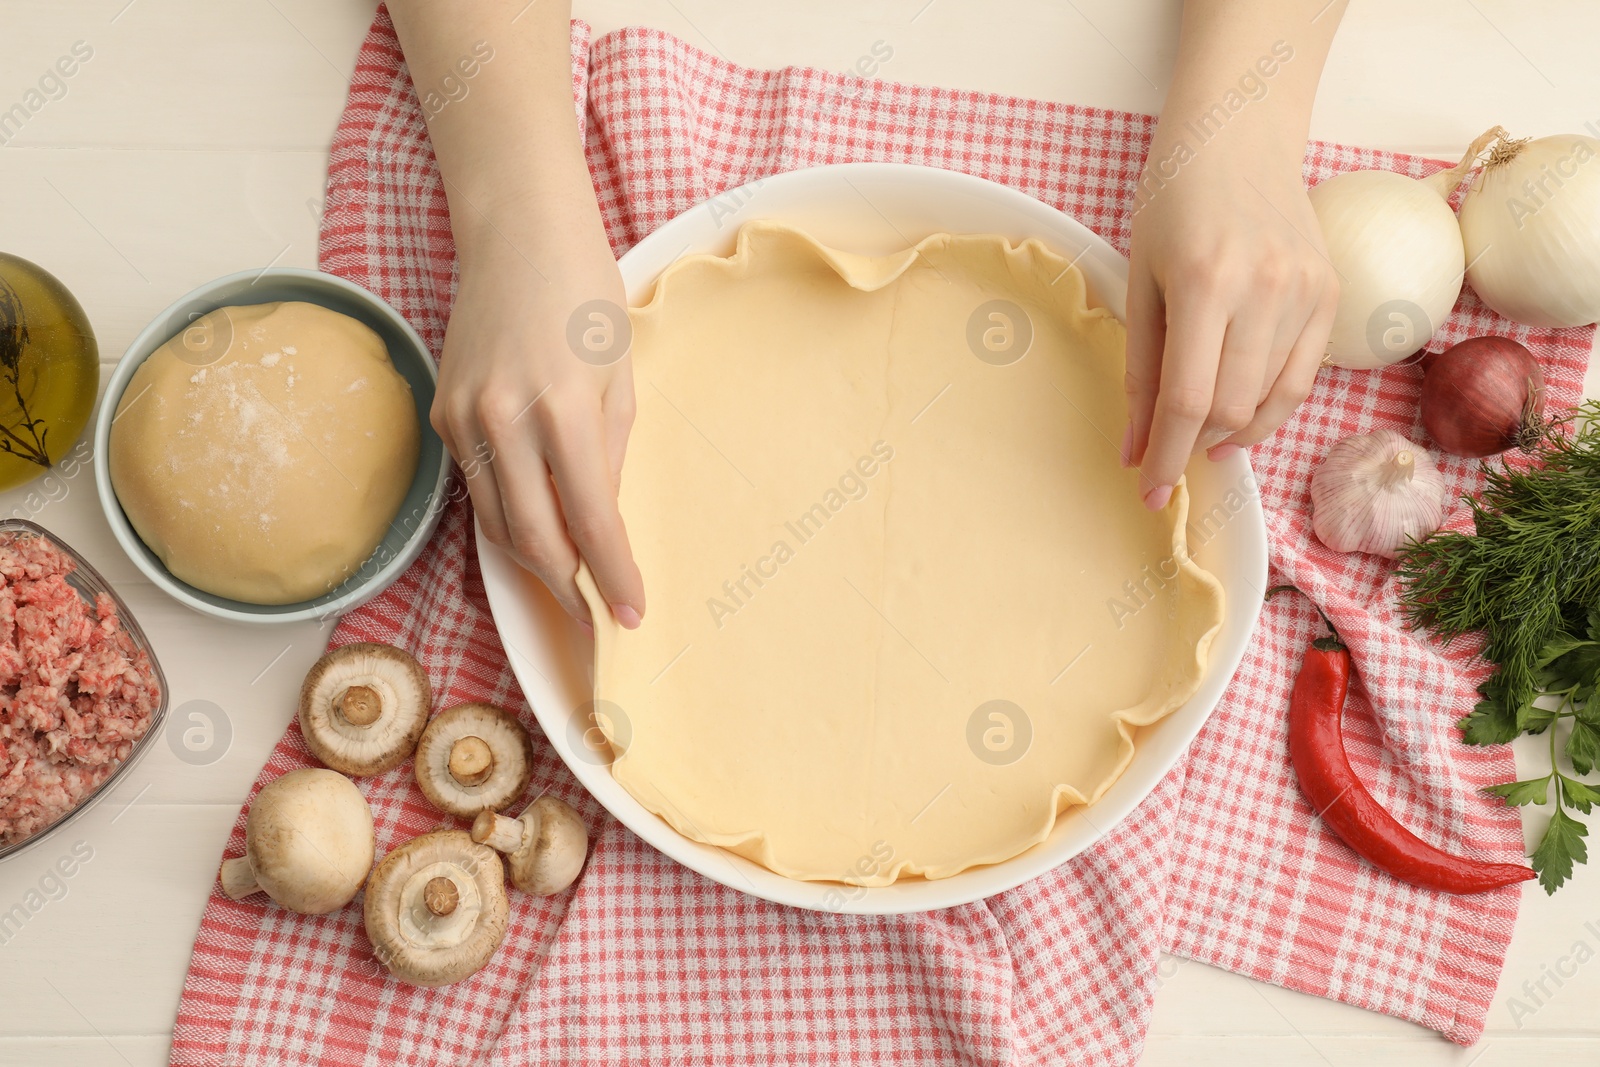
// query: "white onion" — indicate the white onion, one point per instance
point(1530, 222)
point(1397, 249)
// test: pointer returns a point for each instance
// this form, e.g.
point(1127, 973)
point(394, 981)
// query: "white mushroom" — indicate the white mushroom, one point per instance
point(436, 908)
point(545, 845)
point(363, 706)
point(472, 758)
point(308, 843)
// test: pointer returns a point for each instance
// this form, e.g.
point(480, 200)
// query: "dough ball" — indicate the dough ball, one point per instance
point(263, 452)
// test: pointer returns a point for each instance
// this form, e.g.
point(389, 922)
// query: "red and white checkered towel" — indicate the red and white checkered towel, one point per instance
point(645, 961)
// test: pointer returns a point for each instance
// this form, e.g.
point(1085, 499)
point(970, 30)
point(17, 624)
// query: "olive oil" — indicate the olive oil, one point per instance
point(49, 370)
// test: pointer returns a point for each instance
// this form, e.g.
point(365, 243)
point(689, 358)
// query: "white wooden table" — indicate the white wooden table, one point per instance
point(193, 142)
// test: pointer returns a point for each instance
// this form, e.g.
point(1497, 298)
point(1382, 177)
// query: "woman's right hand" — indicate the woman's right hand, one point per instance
point(539, 425)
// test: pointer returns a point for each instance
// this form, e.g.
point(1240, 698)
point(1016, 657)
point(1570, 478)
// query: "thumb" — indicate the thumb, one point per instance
point(1147, 338)
point(617, 409)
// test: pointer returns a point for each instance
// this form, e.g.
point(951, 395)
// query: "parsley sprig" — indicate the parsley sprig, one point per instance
point(1528, 580)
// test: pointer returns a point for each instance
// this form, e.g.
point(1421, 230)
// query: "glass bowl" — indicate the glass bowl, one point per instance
point(89, 584)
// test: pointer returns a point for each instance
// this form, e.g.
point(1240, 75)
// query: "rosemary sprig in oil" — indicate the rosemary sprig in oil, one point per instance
point(28, 437)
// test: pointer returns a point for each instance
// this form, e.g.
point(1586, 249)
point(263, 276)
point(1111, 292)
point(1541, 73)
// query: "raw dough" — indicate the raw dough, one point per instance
point(263, 452)
point(862, 522)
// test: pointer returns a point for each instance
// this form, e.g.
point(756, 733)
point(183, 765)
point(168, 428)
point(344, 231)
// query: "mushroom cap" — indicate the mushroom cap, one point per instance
point(510, 749)
point(309, 840)
point(366, 670)
point(404, 898)
point(554, 845)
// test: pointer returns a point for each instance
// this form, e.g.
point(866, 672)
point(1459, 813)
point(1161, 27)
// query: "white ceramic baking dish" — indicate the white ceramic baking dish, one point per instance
point(875, 208)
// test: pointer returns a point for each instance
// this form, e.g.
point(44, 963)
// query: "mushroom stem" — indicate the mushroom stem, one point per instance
point(360, 705)
point(440, 896)
point(239, 878)
point(498, 832)
point(471, 761)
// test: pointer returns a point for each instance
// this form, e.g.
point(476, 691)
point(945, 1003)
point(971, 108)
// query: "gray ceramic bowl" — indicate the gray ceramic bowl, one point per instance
point(419, 512)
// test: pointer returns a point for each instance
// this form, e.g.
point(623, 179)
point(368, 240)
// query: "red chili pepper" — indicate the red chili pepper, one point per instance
point(1316, 748)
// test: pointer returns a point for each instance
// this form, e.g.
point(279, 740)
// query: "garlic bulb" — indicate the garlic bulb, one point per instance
point(1374, 493)
point(1397, 249)
point(1530, 222)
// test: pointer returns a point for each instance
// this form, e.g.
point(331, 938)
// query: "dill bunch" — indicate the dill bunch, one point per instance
point(1529, 572)
point(1528, 580)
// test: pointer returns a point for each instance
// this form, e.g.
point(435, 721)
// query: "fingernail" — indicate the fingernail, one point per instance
point(1157, 498)
point(1127, 445)
point(586, 627)
point(1218, 453)
point(626, 616)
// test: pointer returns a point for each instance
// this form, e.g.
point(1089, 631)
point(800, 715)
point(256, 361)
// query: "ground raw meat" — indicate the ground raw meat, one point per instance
point(76, 692)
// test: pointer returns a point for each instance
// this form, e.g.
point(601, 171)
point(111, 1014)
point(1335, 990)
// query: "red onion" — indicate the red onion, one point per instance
point(1483, 396)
